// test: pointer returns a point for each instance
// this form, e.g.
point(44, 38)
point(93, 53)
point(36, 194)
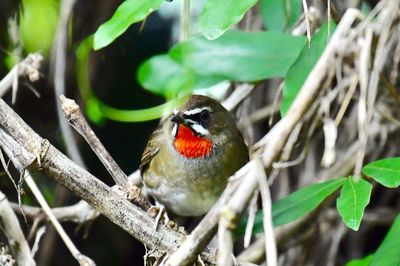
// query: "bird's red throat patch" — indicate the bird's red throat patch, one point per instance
point(191, 146)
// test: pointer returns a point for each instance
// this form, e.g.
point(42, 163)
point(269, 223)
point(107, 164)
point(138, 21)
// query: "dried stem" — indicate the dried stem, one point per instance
point(12, 230)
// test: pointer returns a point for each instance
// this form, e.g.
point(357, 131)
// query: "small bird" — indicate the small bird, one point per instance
point(191, 155)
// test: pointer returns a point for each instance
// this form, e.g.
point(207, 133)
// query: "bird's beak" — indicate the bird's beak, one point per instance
point(177, 118)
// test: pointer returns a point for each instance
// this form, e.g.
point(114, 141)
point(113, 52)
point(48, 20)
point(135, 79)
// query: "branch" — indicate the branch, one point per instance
point(13, 232)
point(75, 118)
point(80, 212)
point(58, 60)
point(27, 67)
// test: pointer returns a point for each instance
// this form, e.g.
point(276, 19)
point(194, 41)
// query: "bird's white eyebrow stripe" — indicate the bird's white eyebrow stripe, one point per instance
point(197, 110)
point(200, 129)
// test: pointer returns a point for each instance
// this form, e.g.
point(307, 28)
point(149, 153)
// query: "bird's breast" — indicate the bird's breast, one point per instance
point(190, 145)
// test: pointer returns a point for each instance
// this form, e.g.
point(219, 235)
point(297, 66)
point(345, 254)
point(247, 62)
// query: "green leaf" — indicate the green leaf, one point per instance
point(386, 172)
point(361, 262)
point(240, 56)
point(37, 25)
point(129, 12)
point(354, 197)
point(274, 14)
point(218, 16)
point(388, 252)
point(164, 76)
point(300, 70)
point(303, 201)
point(278, 15)
point(295, 10)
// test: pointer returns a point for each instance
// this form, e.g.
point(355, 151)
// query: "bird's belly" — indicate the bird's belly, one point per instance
point(184, 201)
point(187, 187)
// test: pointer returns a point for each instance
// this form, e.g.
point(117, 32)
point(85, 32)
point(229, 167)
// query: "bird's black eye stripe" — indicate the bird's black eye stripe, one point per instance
point(201, 117)
point(204, 115)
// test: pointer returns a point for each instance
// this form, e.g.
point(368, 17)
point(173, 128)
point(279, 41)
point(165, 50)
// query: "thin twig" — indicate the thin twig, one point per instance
point(237, 96)
point(75, 118)
point(12, 230)
point(28, 67)
point(78, 122)
point(225, 238)
point(59, 61)
point(270, 244)
point(307, 19)
point(80, 212)
point(250, 220)
point(185, 20)
point(82, 259)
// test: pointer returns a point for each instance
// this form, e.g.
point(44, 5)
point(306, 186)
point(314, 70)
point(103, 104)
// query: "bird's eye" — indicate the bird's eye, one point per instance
point(204, 115)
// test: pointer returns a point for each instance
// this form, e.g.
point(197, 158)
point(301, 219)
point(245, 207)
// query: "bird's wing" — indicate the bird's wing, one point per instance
point(152, 148)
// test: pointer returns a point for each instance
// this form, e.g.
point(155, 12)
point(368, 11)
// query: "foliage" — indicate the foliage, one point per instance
point(129, 12)
point(236, 56)
point(386, 172)
point(219, 16)
point(299, 71)
point(279, 15)
point(388, 252)
point(354, 197)
point(303, 201)
point(38, 24)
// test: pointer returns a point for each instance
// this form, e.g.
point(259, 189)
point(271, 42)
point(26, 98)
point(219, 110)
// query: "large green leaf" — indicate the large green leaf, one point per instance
point(388, 253)
point(361, 262)
point(218, 16)
point(164, 76)
point(386, 171)
point(129, 12)
point(279, 15)
point(295, 205)
point(240, 56)
point(354, 197)
point(298, 73)
point(303, 201)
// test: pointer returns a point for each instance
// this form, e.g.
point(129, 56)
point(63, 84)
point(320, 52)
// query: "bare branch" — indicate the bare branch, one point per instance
point(270, 245)
point(80, 212)
point(28, 67)
point(58, 60)
point(13, 232)
point(238, 95)
point(78, 121)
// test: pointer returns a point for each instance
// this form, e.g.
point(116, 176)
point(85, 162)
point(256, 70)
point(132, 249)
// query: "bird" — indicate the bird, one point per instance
point(190, 156)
